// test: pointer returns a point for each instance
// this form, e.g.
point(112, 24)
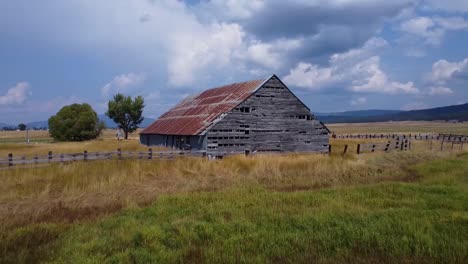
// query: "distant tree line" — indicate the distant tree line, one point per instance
point(21, 127)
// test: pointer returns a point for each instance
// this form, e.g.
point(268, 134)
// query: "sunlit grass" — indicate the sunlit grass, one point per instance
point(244, 218)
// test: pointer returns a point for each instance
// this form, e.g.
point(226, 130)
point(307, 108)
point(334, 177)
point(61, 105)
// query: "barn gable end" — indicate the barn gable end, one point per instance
point(255, 116)
point(272, 119)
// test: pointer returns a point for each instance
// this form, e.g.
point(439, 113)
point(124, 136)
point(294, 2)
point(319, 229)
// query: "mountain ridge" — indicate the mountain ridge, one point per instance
point(444, 113)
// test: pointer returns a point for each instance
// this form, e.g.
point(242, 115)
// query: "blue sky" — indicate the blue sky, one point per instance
point(335, 55)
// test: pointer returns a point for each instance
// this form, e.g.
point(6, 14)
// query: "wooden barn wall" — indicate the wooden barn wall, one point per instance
point(170, 141)
point(271, 120)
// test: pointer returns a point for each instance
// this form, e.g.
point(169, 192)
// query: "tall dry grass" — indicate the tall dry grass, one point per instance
point(69, 192)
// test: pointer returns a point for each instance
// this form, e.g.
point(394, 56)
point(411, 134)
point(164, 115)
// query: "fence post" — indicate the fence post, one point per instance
point(49, 158)
point(345, 149)
point(10, 159)
point(36, 159)
point(150, 153)
point(358, 149)
point(373, 148)
point(453, 142)
point(329, 149)
point(85, 155)
point(442, 145)
point(119, 153)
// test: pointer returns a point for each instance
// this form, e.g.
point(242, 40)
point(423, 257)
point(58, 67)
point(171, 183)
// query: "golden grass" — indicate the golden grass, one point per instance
point(400, 127)
point(69, 192)
point(107, 142)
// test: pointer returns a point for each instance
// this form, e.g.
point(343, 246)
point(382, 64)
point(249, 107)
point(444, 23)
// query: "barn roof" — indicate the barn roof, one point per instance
point(194, 114)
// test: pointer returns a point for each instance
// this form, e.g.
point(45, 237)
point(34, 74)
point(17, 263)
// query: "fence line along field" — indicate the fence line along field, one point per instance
point(107, 142)
point(405, 127)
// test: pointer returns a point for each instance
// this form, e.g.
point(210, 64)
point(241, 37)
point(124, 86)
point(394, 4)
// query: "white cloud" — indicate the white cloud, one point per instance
point(414, 106)
point(375, 80)
point(443, 70)
point(440, 91)
point(214, 47)
point(359, 101)
point(231, 9)
point(272, 55)
point(424, 28)
point(432, 30)
point(16, 94)
point(357, 70)
point(121, 83)
point(311, 77)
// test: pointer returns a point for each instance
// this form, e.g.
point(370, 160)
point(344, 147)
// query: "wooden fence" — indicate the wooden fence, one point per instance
point(89, 156)
point(440, 137)
point(397, 142)
point(394, 145)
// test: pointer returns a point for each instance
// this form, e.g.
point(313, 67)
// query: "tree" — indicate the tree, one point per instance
point(125, 112)
point(76, 122)
point(22, 127)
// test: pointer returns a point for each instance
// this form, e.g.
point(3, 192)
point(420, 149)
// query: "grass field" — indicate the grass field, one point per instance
point(400, 207)
point(370, 208)
point(107, 142)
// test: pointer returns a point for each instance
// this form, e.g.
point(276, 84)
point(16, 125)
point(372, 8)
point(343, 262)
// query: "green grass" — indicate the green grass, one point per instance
point(391, 222)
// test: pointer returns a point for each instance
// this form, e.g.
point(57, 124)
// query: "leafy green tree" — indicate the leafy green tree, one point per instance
point(22, 127)
point(125, 112)
point(76, 122)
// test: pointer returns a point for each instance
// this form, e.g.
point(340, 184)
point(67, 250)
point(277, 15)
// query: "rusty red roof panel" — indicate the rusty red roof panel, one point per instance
point(194, 114)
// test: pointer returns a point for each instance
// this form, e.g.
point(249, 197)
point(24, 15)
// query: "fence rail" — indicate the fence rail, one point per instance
point(397, 142)
point(89, 156)
point(395, 145)
point(440, 137)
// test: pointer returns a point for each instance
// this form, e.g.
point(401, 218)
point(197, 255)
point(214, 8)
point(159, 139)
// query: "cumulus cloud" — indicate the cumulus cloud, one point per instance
point(358, 70)
point(188, 42)
point(310, 76)
point(16, 94)
point(122, 83)
point(444, 71)
point(212, 47)
point(376, 80)
point(432, 29)
point(440, 91)
point(271, 55)
point(423, 27)
point(359, 101)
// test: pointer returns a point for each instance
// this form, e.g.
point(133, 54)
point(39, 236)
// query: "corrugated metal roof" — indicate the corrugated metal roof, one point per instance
point(194, 114)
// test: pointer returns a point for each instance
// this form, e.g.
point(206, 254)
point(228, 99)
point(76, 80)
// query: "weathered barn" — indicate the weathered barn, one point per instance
point(254, 116)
